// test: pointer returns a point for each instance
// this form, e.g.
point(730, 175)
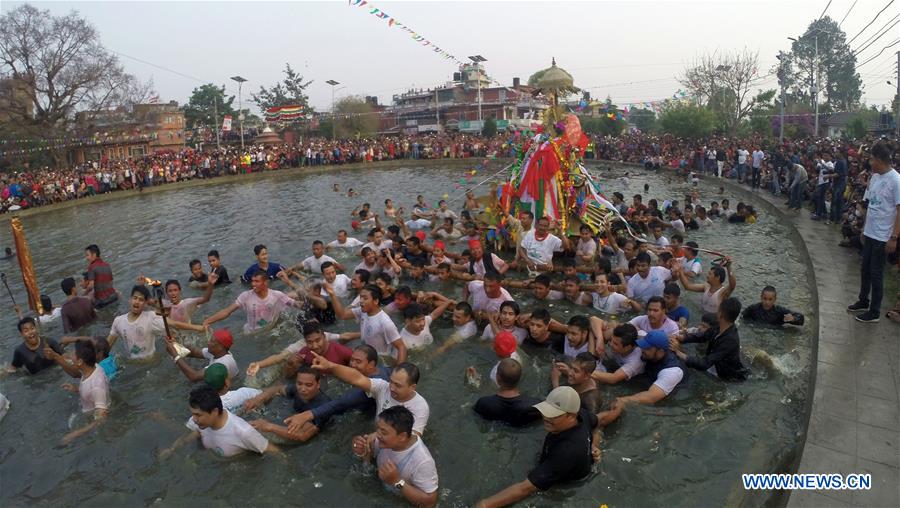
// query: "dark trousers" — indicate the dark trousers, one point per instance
point(757, 173)
point(837, 204)
point(821, 211)
point(872, 273)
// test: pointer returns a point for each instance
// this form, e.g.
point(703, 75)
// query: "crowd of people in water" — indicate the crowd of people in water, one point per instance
point(644, 276)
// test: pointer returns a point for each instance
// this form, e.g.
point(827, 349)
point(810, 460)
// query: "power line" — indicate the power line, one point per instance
point(870, 22)
point(891, 45)
point(880, 32)
point(825, 9)
point(848, 13)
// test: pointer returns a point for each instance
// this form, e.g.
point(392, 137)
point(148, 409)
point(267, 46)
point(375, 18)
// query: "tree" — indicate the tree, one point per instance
point(62, 67)
point(643, 119)
point(489, 129)
point(760, 119)
point(836, 66)
point(290, 92)
point(205, 102)
point(687, 120)
point(724, 82)
point(355, 117)
point(856, 128)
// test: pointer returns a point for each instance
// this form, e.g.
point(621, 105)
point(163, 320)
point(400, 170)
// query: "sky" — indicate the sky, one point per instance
point(631, 51)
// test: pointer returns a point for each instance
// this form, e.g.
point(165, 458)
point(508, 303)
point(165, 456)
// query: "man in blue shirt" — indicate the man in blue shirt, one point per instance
point(273, 270)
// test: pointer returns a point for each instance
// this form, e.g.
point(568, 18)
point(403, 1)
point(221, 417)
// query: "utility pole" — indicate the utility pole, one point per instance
point(437, 111)
point(333, 119)
point(781, 84)
point(897, 99)
point(815, 86)
point(240, 82)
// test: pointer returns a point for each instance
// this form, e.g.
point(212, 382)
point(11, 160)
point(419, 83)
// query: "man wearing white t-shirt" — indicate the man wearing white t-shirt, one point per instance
point(313, 264)
point(93, 389)
point(742, 163)
point(343, 241)
point(537, 247)
point(655, 319)
point(648, 281)
point(340, 282)
point(665, 370)
point(400, 391)
point(375, 326)
point(220, 430)
point(404, 463)
point(621, 349)
point(879, 233)
point(139, 328)
point(487, 295)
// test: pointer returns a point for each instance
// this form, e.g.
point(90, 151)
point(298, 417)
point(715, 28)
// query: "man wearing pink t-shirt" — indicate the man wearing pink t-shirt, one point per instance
point(261, 304)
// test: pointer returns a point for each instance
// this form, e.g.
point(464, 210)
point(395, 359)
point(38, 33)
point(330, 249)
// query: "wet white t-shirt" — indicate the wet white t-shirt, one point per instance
point(377, 331)
point(227, 360)
point(613, 303)
point(541, 251)
point(341, 286)
point(419, 340)
point(183, 311)
point(314, 264)
point(631, 364)
point(138, 336)
point(482, 302)
point(465, 331)
point(415, 465)
point(642, 323)
point(351, 242)
point(518, 333)
point(94, 391)
point(262, 311)
point(643, 288)
point(381, 392)
point(234, 438)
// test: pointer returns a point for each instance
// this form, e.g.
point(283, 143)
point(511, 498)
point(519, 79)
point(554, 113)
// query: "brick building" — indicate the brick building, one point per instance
point(120, 134)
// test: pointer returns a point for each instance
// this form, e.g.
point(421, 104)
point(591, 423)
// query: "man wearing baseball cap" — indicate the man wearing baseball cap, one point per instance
point(665, 370)
point(568, 448)
point(217, 350)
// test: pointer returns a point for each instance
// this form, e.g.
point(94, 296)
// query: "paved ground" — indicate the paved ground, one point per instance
point(855, 422)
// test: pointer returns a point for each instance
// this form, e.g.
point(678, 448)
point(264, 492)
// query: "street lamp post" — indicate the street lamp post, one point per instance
point(332, 83)
point(478, 59)
point(240, 82)
point(781, 84)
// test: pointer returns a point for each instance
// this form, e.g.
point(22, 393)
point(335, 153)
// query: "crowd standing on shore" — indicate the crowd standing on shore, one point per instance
point(606, 275)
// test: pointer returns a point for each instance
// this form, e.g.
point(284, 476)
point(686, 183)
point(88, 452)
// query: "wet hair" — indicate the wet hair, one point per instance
point(444, 266)
point(371, 353)
point(213, 253)
point(306, 369)
point(101, 345)
point(373, 290)
point(509, 373)
point(512, 305)
point(46, 303)
point(604, 264)
point(414, 240)
point(710, 319)
point(385, 277)
point(627, 334)
point(493, 276)
point(24, 321)
point(465, 308)
point(642, 257)
point(342, 231)
point(678, 237)
point(412, 372)
point(84, 351)
point(206, 399)
point(541, 314)
point(527, 214)
point(141, 290)
point(413, 311)
point(259, 248)
point(665, 256)
point(172, 281)
point(312, 327)
point(692, 247)
point(405, 291)
point(581, 322)
point(318, 242)
point(67, 285)
point(656, 299)
point(583, 228)
point(672, 289)
point(399, 418)
point(572, 278)
point(327, 264)
point(769, 289)
point(586, 361)
point(730, 308)
point(567, 262)
point(393, 228)
point(93, 249)
point(542, 279)
point(260, 273)
point(364, 275)
point(719, 272)
point(192, 264)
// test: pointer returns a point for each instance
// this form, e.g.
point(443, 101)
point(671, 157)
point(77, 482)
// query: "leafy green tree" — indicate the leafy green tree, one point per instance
point(205, 101)
point(856, 128)
point(840, 84)
point(489, 129)
point(355, 117)
point(688, 121)
point(643, 119)
point(290, 92)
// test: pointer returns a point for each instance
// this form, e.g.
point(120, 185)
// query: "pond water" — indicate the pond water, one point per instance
point(689, 449)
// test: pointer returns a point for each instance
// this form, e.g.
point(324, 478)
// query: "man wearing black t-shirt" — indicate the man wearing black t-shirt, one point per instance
point(539, 332)
point(568, 449)
point(30, 353)
point(508, 405)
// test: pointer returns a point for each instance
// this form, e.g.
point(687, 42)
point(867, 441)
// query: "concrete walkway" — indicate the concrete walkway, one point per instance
point(855, 422)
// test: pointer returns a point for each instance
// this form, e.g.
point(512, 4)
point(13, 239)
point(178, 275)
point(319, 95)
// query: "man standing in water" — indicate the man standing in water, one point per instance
point(570, 448)
point(879, 234)
point(99, 280)
point(261, 304)
point(34, 353)
point(139, 328)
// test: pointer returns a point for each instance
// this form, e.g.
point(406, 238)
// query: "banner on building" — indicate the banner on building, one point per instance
point(226, 124)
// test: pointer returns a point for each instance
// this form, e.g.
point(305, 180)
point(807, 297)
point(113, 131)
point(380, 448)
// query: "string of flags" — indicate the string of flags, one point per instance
point(657, 106)
point(393, 22)
point(97, 139)
point(285, 113)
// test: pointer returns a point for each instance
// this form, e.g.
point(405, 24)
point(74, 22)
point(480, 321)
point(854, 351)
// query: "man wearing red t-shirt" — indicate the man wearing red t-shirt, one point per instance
point(99, 282)
point(316, 342)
